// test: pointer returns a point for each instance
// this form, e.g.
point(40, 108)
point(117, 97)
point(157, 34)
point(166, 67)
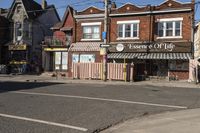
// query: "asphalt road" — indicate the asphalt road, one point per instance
point(79, 108)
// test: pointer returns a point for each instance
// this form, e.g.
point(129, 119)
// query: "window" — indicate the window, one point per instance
point(170, 27)
point(87, 58)
point(91, 32)
point(120, 30)
point(128, 29)
point(18, 31)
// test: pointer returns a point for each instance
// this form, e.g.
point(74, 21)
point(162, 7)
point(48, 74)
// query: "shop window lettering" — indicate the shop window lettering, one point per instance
point(165, 46)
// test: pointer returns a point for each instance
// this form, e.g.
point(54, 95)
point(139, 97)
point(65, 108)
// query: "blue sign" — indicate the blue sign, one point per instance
point(104, 35)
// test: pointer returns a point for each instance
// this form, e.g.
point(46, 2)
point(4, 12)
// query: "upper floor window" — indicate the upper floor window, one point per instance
point(170, 28)
point(91, 31)
point(18, 31)
point(128, 29)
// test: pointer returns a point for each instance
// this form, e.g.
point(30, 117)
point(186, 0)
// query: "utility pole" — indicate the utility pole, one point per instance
point(105, 41)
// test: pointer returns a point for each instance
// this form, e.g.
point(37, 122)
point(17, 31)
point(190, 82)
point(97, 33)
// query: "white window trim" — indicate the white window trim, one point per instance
point(174, 28)
point(91, 24)
point(90, 39)
point(128, 22)
point(170, 37)
point(132, 22)
point(128, 38)
point(169, 19)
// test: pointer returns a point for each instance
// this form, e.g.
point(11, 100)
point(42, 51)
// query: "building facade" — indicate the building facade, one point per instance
point(195, 63)
point(156, 39)
point(30, 23)
point(55, 48)
point(4, 34)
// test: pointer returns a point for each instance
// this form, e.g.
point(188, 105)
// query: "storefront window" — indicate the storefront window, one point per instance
point(75, 58)
point(178, 65)
point(86, 58)
point(61, 60)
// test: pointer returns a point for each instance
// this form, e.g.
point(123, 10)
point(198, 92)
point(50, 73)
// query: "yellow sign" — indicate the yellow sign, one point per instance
point(102, 51)
point(17, 47)
point(55, 49)
point(18, 62)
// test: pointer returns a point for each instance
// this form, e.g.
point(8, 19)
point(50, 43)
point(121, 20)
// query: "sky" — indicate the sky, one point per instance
point(82, 4)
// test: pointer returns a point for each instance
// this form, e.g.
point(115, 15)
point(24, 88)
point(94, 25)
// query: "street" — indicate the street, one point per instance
point(33, 107)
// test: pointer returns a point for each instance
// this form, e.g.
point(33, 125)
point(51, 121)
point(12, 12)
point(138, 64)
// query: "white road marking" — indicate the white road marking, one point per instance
point(43, 122)
point(100, 99)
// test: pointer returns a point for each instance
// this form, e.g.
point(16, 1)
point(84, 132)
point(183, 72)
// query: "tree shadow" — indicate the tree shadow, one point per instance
point(15, 86)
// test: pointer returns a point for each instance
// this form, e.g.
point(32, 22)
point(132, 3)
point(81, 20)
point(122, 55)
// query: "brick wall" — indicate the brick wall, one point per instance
point(182, 75)
point(145, 33)
point(79, 29)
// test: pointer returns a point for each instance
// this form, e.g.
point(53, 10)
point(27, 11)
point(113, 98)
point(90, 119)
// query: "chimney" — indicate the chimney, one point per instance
point(44, 4)
point(113, 6)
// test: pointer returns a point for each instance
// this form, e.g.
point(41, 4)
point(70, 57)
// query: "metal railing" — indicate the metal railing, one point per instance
point(54, 41)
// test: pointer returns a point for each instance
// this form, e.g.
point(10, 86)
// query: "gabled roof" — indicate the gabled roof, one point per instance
point(128, 4)
point(32, 8)
point(59, 25)
point(90, 10)
point(69, 9)
point(173, 4)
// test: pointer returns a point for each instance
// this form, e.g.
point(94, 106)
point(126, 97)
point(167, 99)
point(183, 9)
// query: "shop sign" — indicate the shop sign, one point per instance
point(17, 62)
point(17, 47)
point(120, 47)
point(102, 51)
point(156, 46)
point(55, 49)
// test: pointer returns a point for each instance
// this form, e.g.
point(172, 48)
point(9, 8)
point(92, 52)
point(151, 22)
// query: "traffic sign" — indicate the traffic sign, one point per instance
point(104, 45)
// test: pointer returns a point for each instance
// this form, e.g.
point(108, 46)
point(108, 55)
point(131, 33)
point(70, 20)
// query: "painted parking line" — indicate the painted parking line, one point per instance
point(99, 99)
point(43, 122)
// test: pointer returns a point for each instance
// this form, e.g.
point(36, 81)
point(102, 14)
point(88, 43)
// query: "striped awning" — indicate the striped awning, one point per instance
point(85, 46)
point(172, 56)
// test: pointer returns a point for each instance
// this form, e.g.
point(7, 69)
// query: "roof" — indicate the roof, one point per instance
point(85, 46)
point(32, 8)
point(57, 26)
point(66, 29)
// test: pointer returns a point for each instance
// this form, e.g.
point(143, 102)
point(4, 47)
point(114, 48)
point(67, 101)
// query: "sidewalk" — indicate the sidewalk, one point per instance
point(48, 78)
point(185, 121)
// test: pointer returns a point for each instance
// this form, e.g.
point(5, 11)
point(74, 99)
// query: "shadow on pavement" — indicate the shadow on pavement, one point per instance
point(15, 86)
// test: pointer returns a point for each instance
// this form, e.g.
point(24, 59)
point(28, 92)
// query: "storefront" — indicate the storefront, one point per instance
point(55, 59)
point(162, 59)
point(18, 59)
point(84, 52)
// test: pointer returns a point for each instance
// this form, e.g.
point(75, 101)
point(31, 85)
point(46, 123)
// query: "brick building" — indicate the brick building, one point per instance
point(55, 48)
point(89, 25)
point(156, 39)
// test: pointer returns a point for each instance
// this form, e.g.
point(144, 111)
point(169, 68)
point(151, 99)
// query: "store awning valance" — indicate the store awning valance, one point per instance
point(172, 56)
point(85, 46)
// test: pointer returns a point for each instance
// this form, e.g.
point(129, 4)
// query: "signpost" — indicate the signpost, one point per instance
point(104, 45)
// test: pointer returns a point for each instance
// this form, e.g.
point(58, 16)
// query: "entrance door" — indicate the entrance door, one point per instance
point(159, 68)
point(61, 61)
